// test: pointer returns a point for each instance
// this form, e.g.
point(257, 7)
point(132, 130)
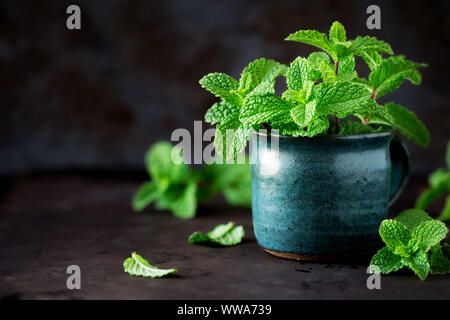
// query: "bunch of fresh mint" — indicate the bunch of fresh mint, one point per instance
point(174, 186)
point(322, 85)
point(439, 182)
point(409, 238)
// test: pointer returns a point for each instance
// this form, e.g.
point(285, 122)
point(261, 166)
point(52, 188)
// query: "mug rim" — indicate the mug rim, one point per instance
point(334, 136)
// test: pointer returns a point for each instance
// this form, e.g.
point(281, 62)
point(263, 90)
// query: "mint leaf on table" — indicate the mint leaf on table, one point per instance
point(223, 234)
point(138, 266)
point(181, 200)
point(408, 240)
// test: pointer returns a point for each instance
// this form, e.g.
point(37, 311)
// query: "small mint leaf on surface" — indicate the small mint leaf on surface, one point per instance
point(419, 264)
point(138, 266)
point(223, 234)
point(428, 234)
point(440, 264)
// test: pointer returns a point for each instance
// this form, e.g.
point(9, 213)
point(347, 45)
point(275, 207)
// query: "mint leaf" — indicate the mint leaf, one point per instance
point(419, 264)
point(431, 194)
point(316, 59)
point(445, 214)
point(314, 38)
point(300, 71)
point(337, 32)
point(162, 169)
point(303, 114)
point(439, 263)
point(372, 58)
point(262, 108)
point(145, 195)
point(223, 234)
point(355, 127)
point(231, 137)
point(386, 261)
point(428, 234)
point(407, 123)
point(179, 199)
point(438, 177)
point(365, 44)
point(222, 85)
point(391, 73)
point(394, 234)
point(262, 70)
point(343, 99)
point(412, 218)
point(138, 266)
point(220, 111)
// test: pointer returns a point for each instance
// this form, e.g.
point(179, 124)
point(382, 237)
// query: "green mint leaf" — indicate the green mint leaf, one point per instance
point(372, 58)
point(318, 125)
point(386, 261)
point(342, 99)
point(181, 200)
point(222, 86)
point(303, 114)
point(391, 73)
point(431, 194)
point(262, 70)
point(313, 38)
point(394, 234)
point(145, 195)
point(407, 123)
point(419, 264)
point(260, 109)
point(439, 263)
point(264, 87)
point(316, 59)
point(138, 266)
point(428, 234)
point(347, 66)
point(337, 32)
point(162, 169)
point(412, 218)
point(363, 44)
point(355, 127)
point(445, 214)
point(438, 177)
point(220, 111)
point(223, 234)
point(300, 71)
point(231, 137)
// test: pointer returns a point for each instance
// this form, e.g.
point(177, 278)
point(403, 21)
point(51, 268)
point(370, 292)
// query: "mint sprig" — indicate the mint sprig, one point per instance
point(324, 84)
point(408, 240)
point(179, 189)
point(439, 186)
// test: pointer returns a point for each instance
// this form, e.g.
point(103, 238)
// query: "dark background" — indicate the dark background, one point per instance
point(96, 98)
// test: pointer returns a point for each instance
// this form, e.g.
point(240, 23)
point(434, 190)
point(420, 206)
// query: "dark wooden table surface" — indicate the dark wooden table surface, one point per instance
point(50, 222)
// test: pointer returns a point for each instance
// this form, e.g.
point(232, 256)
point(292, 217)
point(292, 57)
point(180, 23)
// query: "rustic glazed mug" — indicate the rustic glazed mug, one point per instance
point(325, 196)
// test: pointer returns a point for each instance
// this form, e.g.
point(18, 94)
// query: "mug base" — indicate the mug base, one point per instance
point(309, 257)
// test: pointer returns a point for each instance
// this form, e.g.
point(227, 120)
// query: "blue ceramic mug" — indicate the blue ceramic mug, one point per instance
point(325, 196)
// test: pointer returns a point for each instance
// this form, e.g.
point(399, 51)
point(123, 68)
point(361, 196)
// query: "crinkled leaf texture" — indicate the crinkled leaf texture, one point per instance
point(428, 234)
point(419, 264)
point(223, 86)
point(386, 261)
point(412, 218)
point(391, 73)
point(138, 266)
point(223, 234)
point(439, 262)
point(219, 111)
point(262, 71)
point(394, 234)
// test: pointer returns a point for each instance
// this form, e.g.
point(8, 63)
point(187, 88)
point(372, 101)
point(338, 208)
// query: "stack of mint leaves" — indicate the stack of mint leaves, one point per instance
point(174, 186)
point(413, 240)
point(323, 85)
point(439, 182)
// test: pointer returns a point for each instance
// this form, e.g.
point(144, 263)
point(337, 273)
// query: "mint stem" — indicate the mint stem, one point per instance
point(336, 119)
